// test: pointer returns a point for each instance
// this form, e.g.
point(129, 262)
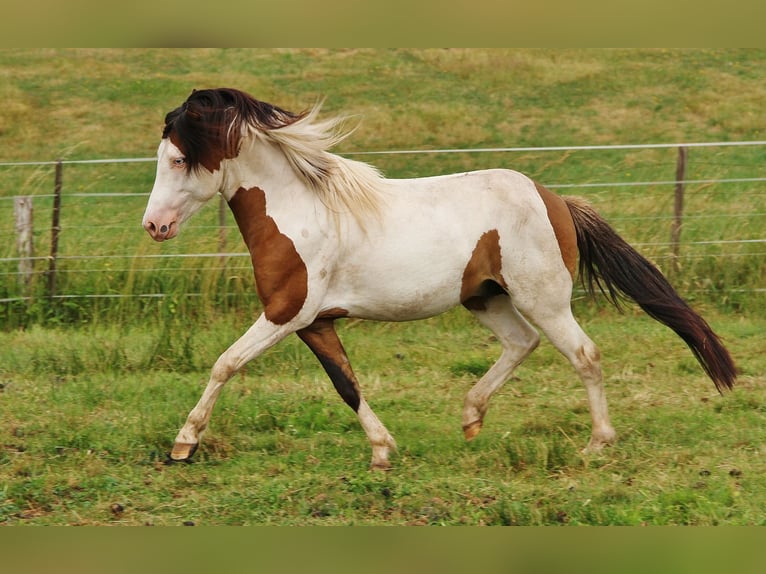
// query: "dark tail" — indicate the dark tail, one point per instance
point(620, 272)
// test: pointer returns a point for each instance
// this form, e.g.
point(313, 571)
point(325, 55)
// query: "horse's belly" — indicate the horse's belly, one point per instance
point(399, 298)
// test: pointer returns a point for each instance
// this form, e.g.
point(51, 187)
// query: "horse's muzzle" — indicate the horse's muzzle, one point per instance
point(161, 232)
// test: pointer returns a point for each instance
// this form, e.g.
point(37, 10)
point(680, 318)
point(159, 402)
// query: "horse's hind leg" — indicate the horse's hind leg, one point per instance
point(322, 339)
point(518, 339)
point(554, 316)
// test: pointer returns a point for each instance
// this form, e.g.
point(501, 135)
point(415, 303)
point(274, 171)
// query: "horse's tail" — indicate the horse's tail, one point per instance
point(619, 271)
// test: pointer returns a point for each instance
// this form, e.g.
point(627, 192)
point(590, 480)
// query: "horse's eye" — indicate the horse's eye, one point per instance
point(179, 162)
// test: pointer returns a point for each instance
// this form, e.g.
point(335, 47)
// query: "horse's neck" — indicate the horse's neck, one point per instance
point(351, 202)
point(261, 165)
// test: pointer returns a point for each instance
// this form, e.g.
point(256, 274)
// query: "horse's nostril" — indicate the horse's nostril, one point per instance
point(164, 229)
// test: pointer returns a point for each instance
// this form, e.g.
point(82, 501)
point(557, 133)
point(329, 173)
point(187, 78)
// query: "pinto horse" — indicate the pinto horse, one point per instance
point(331, 237)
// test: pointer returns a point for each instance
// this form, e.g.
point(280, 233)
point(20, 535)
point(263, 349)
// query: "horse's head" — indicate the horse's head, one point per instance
point(178, 192)
point(198, 136)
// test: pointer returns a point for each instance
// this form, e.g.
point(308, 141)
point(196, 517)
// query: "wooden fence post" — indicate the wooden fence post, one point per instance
point(55, 230)
point(22, 210)
point(678, 208)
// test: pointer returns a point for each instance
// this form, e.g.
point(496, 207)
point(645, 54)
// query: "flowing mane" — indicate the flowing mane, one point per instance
point(214, 123)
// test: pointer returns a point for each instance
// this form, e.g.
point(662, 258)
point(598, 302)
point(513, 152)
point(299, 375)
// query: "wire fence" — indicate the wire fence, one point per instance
point(102, 242)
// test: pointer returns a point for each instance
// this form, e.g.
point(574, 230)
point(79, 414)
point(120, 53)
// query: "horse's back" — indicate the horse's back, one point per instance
point(415, 261)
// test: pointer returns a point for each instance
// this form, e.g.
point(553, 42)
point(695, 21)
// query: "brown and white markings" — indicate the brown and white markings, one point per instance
point(331, 238)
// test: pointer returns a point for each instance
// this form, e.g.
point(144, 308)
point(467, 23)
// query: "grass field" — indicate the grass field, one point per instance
point(92, 394)
point(87, 425)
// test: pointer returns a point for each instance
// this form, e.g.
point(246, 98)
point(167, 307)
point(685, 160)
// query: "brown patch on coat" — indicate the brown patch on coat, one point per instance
point(333, 313)
point(281, 278)
point(482, 277)
point(323, 341)
point(563, 227)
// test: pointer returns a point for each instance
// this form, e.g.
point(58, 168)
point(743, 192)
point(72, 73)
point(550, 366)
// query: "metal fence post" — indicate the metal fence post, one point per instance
point(55, 230)
point(678, 208)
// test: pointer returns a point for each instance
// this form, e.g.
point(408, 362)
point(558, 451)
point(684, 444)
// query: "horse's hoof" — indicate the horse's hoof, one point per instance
point(183, 451)
point(596, 446)
point(383, 466)
point(171, 461)
point(471, 430)
point(599, 440)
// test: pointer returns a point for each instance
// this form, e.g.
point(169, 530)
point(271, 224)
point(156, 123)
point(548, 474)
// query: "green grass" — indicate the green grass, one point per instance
point(94, 390)
point(89, 415)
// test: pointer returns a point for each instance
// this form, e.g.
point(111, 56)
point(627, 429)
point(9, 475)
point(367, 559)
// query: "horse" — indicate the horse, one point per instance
point(331, 238)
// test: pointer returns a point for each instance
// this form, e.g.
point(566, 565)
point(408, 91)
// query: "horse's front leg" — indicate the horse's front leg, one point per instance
point(322, 339)
point(262, 335)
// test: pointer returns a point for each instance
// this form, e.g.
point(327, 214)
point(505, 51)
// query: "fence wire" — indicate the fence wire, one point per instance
point(754, 190)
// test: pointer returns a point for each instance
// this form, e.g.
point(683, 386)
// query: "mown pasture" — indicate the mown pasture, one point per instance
point(94, 389)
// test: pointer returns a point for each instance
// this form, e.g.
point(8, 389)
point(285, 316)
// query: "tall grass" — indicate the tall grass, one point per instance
point(109, 264)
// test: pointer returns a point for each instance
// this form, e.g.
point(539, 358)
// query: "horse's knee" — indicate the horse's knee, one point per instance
point(222, 370)
point(589, 353)
point(587, 361)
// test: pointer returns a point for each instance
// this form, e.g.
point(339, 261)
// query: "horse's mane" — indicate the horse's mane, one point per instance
point(219, 119)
